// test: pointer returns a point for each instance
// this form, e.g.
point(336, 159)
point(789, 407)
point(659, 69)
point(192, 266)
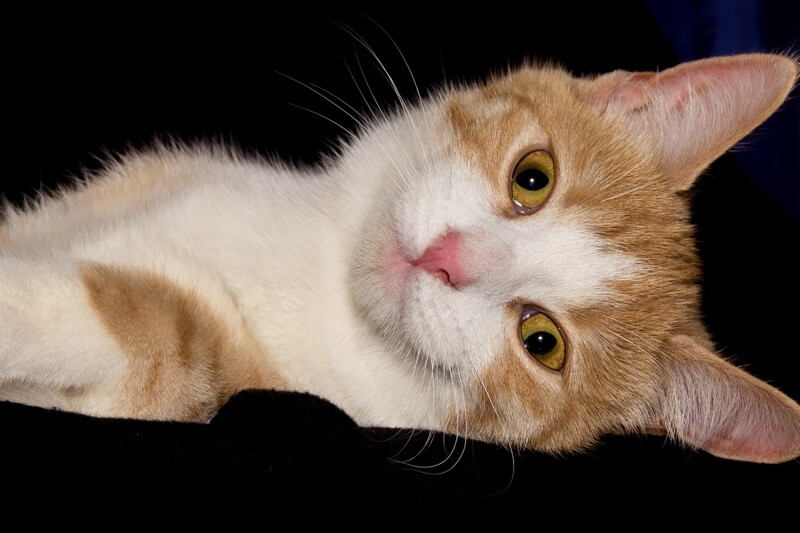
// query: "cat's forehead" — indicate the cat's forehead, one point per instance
point(528, 105)
point(490, 130)
point(494, 125)
point(492, 121)
point(528, 97)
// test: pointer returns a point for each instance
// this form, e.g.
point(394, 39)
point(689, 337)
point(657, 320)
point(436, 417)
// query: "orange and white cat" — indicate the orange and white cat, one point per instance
point(511, 262)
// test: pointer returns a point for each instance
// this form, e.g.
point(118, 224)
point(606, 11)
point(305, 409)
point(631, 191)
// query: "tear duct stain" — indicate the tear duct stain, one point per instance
point(183, 361)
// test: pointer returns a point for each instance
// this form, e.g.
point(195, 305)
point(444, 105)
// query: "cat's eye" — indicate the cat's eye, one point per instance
point(532, 181)
point(543, 339)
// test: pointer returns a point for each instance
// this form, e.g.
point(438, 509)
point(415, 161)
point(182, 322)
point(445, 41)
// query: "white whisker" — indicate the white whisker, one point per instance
point(354, 115)
point(488, 396)
point(402, 175)
point(318, 92)
point(392, 84)
point(413, 81)
point(329, 119)
point(402, 56)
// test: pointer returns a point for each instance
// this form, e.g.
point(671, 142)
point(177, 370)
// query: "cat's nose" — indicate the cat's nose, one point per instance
point(441, 259)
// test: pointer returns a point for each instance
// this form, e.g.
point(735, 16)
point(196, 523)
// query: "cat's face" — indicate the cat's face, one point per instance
point(529, 255)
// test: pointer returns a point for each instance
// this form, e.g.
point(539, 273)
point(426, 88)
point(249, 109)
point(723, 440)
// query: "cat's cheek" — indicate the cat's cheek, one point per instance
point(396, 269)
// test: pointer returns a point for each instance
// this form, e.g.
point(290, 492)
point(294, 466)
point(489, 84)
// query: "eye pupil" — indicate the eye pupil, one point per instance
point(540, 343)
point(532, 179)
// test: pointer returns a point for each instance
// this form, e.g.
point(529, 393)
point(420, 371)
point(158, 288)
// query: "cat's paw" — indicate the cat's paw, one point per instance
point(9, 319)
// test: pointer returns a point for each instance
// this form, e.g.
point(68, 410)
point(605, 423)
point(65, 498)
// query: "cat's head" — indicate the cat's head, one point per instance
point(529, 254)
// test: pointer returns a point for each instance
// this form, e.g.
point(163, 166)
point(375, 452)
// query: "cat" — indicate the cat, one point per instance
point(511, 262)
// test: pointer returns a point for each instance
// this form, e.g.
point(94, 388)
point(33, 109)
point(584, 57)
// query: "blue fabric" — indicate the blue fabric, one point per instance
point(697, 29)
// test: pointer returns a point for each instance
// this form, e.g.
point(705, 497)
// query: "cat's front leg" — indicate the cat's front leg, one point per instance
point(114, 340)
point(54, 352)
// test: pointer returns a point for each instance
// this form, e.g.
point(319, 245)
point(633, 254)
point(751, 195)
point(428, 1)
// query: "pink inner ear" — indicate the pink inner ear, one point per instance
point(714, 405)
point(677, 83)
point(630, 89)
point(672, 86)
point(621, 87)
point(631, 95)
point(743, 437)
point(695, 111)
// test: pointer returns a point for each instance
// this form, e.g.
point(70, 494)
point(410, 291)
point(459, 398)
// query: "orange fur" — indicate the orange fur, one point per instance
point(622, 354)
point(184, 361)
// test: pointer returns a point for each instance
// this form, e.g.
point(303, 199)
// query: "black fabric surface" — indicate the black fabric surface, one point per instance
point(80, 87)
point(288, 460)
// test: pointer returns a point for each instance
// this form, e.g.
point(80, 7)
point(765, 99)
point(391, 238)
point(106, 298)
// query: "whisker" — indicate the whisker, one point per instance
point(402, 175)
point(363, 120)
point(361, 92)
point(358, 118)
point(392, 84)
point(374, 55)
point(402, 56)
point(417, 357)
point(427, 469)
point(408, 440)
point(413, 81)
point(319, 93)
point(329, 119)
point(486, 392)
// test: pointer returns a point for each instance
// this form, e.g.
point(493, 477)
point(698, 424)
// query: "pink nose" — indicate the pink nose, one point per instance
point(441, 259)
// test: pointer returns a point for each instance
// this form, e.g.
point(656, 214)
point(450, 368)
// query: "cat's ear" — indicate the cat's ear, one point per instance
point(694, 112)
point(714, 405)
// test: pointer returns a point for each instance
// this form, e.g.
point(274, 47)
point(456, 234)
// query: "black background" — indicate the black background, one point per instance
point(83, 84)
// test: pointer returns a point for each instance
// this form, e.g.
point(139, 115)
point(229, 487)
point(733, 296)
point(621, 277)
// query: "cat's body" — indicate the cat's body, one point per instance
point(403, 279)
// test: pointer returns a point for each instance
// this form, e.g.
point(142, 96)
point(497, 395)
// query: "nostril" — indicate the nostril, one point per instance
point(441, 259)
point(440, 273)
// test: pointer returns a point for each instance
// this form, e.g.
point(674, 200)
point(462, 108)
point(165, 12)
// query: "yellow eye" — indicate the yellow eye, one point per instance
point(532, 181)
point(543, 339)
